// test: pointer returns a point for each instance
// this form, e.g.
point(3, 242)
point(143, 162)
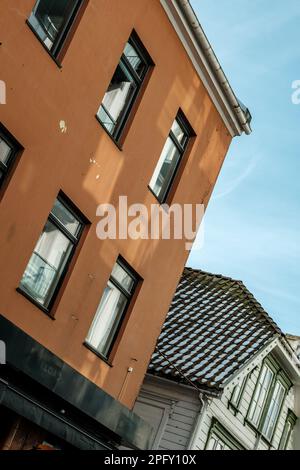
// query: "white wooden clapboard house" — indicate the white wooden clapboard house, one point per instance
point(223, 375)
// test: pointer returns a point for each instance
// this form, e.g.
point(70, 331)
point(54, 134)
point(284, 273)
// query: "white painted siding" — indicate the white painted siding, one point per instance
point(288, 404)
point(218, 408)
point(235, 424)
point(179, 408)
point(174, 412)
point(262, 445)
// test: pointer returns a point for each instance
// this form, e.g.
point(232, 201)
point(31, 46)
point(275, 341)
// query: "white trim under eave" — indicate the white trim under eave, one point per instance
point(238, 377)
point(275, 346)
point(289, 364)
point(200, 63)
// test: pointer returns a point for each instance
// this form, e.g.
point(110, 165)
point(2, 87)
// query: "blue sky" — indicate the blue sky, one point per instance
point(252, 224)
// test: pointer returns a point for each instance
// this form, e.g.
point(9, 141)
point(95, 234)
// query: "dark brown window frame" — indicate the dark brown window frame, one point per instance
point(77, 243)
point(16, 150)
point(115, 337)
point(122, 127)
point(183, 151)
point(66, 36)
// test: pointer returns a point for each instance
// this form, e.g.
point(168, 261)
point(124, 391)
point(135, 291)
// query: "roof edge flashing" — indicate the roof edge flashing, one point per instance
point(235, 115)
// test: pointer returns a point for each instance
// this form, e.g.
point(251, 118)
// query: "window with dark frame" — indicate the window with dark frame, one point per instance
point(52, 254)
point(170, 158)
point(124, 87)
point(9, 148)
point(220, 439)
point(268, 398)
point(51, 20)
point(273, 410)
point(237, 393)
point(287, 430)
point(260, 395)
point(112, 309)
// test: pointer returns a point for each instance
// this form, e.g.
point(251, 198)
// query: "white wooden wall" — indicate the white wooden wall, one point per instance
point(174, 412)
point(171, 409)
point(218, 408)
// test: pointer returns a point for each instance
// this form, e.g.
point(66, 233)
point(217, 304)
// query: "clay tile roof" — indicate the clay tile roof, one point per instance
point(213, 327)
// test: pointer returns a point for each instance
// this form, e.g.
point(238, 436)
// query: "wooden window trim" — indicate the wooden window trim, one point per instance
point(119, 134)
point(17, 150)
point(279, 375)
point(223, 434)
point(184, 152)
point(65, 38)
point(68, 268)
point(235, 406)
point(290, 419)
point(116, 336)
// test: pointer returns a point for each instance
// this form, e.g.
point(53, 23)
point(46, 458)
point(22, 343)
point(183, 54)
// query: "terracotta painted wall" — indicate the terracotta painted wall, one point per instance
point(39, 96)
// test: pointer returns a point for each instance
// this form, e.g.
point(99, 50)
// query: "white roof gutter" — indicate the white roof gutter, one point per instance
point(181, 14)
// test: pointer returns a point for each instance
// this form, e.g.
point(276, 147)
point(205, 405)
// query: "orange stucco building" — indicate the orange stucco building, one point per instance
point(58, 77)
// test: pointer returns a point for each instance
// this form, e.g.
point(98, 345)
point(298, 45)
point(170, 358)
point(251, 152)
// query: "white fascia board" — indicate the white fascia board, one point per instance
point(289, 364)
point(236, 378)
point(202, 66)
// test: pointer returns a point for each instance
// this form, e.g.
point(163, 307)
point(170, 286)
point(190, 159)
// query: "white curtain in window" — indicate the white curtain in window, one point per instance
point(104, 319)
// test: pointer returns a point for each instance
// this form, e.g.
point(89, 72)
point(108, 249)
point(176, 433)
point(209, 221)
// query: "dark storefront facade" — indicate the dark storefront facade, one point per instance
point(44, 402)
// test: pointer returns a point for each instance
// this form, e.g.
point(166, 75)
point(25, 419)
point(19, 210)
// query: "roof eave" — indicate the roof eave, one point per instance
point(290, 361)
point(277, 347)
point(244, 370)
point(236, 117)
